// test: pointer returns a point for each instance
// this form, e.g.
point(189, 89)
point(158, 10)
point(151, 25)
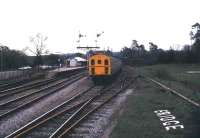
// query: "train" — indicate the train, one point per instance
point(102, 66)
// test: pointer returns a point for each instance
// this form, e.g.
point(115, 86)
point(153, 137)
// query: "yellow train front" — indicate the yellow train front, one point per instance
point(102, 66)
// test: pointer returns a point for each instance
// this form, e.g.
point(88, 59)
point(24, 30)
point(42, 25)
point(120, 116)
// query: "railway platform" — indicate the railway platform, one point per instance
point(66, 69)
point(63, 70)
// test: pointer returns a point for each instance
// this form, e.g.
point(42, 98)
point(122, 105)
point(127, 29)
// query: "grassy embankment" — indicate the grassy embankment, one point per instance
point(139, 119)
point(176, 77)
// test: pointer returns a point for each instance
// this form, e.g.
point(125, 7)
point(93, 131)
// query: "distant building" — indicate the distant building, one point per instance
point(77, 61)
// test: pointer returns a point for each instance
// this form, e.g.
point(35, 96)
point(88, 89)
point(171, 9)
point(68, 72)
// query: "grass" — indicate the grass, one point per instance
point(176, 77)
point(162, 73)
point(139, 119)
point(173, 72)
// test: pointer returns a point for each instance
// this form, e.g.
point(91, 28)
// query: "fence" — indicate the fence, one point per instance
point(18, 74)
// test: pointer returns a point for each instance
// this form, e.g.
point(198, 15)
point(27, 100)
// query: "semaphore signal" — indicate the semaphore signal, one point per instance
point(89, 47)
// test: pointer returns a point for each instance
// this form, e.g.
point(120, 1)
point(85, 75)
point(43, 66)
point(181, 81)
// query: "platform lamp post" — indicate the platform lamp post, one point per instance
point(59, 64)
point(59, 60)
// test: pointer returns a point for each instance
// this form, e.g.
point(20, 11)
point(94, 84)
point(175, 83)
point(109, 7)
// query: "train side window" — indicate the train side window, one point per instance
point(99, 61)
point(92, 62)
point(106, 62)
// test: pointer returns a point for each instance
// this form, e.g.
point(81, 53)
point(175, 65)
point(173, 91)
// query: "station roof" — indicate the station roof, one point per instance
point(80, 59)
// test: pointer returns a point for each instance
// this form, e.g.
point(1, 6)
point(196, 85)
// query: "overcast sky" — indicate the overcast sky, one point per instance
point(163, 22)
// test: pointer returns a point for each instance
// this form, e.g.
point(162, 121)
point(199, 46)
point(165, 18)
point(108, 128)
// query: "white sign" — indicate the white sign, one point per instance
point(168, 120)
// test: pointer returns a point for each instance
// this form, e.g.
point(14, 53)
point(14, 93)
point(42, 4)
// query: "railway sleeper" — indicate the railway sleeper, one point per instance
point(100, 114)
point(88, 125)
point(82, 130)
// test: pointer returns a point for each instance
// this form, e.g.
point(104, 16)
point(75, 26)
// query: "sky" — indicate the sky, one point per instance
point(163, 22)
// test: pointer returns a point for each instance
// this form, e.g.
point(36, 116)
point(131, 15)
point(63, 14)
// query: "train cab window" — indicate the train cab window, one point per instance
point(106, 62)
point(92, 62)
point(99, 61)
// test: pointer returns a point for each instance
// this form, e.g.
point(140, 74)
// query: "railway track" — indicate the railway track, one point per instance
point(28, 89)
point(9, 85)
point(28, 86)
point(14, 105)
point(39, 126)
point(87, 109)
point(15, 90)
point(62, 119)
point(16, 93)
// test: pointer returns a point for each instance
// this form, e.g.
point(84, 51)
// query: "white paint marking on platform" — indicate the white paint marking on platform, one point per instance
point(168, 120)
point(66, 69)
point(193, 72)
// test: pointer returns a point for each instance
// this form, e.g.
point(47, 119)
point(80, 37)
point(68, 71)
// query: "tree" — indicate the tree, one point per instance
point(126, 52)
point(195, 49)
point(38, 42)
point(187, 54)
point(52, 59)
point(11, 59)
point(135, 54)
point(153, 47)
point(195, 34)
point(134, 44)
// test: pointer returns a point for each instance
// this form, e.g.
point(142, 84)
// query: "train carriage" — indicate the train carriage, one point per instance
point(102, 66)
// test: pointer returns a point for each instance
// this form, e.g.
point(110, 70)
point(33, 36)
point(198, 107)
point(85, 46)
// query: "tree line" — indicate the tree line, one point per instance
point(137, 54)
point(13, 59)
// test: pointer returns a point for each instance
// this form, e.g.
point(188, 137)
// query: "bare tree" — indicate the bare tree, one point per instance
point(39, 48)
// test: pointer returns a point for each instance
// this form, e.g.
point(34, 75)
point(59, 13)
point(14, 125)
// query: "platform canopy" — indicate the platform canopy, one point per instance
point(80, 59)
